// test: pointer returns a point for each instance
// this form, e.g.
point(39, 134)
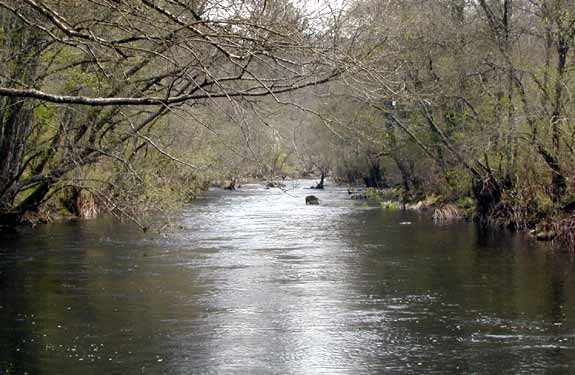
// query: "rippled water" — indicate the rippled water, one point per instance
point(256, 282)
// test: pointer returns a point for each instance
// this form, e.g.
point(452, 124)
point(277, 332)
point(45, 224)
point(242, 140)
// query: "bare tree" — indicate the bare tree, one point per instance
point(84, 80)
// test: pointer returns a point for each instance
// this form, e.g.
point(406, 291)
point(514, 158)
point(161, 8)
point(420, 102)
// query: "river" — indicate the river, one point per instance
point(256, 282)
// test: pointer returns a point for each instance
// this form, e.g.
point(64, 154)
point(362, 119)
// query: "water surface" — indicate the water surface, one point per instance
point(256, 282)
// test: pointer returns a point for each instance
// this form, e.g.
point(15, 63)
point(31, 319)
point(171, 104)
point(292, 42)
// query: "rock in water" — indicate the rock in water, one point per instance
point(311, 199)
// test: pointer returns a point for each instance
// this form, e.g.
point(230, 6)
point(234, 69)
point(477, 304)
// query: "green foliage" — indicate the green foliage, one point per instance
point(384, 195)
point(542, 204)
point(45, 115)
point(391, 205)
point(458, 182)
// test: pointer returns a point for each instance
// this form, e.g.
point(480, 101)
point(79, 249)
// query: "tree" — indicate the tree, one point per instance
point(84, 81)
point(482, 91)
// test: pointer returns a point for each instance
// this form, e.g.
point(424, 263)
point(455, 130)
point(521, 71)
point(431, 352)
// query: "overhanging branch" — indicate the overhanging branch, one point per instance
point(152, 101)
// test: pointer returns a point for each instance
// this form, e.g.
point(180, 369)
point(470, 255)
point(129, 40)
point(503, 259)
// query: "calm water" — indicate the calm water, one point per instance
point(256, 282)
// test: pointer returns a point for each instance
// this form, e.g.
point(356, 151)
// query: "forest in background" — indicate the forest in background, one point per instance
point(128, 106)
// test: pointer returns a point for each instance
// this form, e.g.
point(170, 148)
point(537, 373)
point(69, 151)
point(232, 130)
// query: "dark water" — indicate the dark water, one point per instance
point(255, 282)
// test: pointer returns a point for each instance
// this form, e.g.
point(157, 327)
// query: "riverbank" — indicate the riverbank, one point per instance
point(85, 205)
point(558, 228)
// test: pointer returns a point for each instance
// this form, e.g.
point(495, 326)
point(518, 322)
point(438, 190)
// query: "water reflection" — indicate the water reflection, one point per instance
point(257, 282)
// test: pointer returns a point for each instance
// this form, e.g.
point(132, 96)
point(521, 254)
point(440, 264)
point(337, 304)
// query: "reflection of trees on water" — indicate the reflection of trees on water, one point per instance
point(18, 352)
point(488, 297)
point(75, 301)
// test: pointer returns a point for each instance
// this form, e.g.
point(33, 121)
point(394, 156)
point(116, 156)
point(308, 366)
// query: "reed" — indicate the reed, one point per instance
point(87, 205)
point(447, 212)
